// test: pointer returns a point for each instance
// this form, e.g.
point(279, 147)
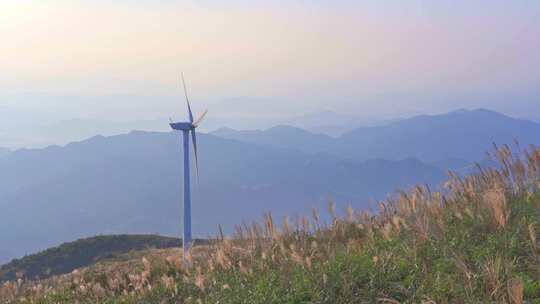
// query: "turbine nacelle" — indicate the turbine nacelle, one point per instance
point(182, 126)
point(188, 126)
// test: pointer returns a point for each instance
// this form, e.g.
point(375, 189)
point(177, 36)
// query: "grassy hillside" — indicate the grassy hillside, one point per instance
point(69, 256)
point(475, 243)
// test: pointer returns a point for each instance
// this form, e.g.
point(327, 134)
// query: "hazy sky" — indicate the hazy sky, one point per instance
point(373, 57)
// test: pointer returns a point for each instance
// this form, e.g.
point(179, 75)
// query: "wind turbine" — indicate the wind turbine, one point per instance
point(187, 128)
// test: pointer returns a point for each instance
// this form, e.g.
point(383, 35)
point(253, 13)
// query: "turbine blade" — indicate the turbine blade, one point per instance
point(198, 121)
point(194, 137)
point(187, 99)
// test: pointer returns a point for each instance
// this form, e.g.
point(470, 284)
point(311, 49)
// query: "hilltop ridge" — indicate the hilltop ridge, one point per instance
point(80, 253)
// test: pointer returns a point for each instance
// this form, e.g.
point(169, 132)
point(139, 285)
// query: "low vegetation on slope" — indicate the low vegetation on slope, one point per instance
point(81, 253)
point(475, 243)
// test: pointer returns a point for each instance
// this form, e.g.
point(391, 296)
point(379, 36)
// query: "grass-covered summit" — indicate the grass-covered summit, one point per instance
point(80, 253)
point(475, 243)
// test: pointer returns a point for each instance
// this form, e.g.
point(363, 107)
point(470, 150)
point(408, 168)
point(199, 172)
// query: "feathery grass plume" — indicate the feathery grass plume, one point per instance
point(239, 233)
point(269, 225)
point(285, 230)
point(332, 210)
point(222, 259)
point(396, 221)
point(463, 267)
point(315, 216)
point(98, 291)
point(495, 202)
point(305, 227)
point(386, 231)
point(350, 214)
point(515, 291)
point(200, 279)
point(532, 237)
point(493, 269)
point(168, 281)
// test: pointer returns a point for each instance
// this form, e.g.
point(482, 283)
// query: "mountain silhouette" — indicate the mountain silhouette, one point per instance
point(460, 135)
point(132, 184)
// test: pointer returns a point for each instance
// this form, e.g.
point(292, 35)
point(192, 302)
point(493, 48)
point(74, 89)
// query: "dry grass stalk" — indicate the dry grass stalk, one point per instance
point(495, 202)
point(515, 291)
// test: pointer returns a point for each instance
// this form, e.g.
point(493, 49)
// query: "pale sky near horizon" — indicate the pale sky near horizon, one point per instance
point(384, 57)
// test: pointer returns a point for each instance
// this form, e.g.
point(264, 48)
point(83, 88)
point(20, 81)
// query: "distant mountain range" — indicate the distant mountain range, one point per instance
point(66, 131)
point(131, 183)
point(461, 135)
point(282, 137)
point(332, 123)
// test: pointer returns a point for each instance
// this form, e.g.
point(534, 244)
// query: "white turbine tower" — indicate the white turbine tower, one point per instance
point(186, 128)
